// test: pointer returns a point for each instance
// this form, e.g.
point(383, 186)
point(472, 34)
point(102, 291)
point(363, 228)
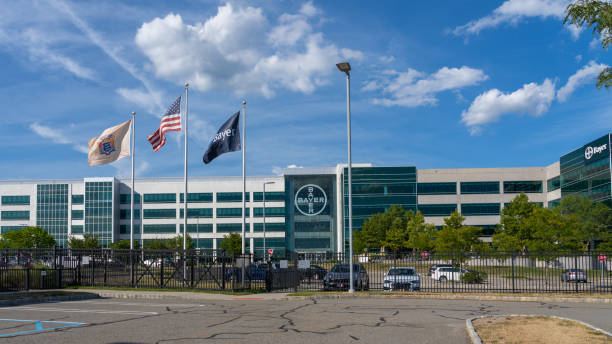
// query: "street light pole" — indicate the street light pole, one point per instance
point(346, 68)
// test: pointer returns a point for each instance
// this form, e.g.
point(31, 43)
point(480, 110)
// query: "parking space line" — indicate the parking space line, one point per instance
point(76, 310)
point(39, 326)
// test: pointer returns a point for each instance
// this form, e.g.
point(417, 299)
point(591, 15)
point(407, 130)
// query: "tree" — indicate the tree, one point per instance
point(232, 244)
point(176, 243)
point(29, 237)
point(421, 235)
point(124, 245)
point(374, 230)
point(514, 234)
point(592, 220)
point(396, 237)
point(551, 232)
point(89, 241)
point(156, 244)
point(596, 14)
point(456, 236)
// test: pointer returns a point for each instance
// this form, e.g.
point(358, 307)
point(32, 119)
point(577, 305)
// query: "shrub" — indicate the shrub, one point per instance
point(474, 277)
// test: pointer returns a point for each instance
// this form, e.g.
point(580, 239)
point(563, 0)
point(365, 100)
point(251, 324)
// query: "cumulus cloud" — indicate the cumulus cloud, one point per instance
point(57, 137)
point(531, 99)
point(239, 50)
point(513, 11)
point(414, 88)
point(582, 76)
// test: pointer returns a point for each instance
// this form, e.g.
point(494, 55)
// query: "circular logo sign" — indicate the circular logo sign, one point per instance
point(588, 152)
point(310, 200)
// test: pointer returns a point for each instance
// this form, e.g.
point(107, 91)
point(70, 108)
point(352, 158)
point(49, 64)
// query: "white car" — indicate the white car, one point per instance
point(444, 274)
point(401, 278)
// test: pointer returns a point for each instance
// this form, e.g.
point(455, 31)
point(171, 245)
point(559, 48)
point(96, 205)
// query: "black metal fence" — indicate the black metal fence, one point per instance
point(566, 272)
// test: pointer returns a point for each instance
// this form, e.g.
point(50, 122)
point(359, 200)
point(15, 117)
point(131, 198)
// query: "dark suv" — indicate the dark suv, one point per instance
point(339, 277)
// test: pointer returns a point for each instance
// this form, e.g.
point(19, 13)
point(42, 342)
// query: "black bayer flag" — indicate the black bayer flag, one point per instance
point(226, 140)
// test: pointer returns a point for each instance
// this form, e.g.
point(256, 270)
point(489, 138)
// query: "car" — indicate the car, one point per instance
point(253, 272)
point(401, 278)
point(339, 277)
point(444, 274)
point(314, 272)
point(577, 275)
point(433, 267)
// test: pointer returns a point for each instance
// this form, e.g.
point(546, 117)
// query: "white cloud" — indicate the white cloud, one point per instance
point(239, 50)
point(143, 99)
point(582, 76)
point(594, 43)
point(531, 99)
point(413, 88)
point(56, 136)
point(578, 58)
point(512, 11)
point(124, 167)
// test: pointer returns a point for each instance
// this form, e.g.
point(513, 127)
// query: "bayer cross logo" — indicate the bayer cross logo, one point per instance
point(588, 152)
point(310, 200)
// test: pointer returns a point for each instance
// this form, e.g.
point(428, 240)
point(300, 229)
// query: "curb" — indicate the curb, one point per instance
point(151, 295)
point(476, 339)
point(59, 298)
point(462, 297)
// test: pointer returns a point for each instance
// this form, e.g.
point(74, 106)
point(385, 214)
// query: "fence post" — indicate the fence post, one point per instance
point(223, 272)
point(575, 269)
point(132, 268)
point(79, 270)
point(105, 257)
point(92, 263)
point(60, 276)
point(192, 272)
point(513, 276)
point(452, 273)
point(161, 274)
point(27, 277)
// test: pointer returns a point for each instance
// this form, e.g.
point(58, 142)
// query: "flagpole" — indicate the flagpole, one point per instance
point(185, 211)
point(243, 173)
point(132, 193)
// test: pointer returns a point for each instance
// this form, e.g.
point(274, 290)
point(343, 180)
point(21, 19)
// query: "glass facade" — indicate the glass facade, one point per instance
point(232, 196)
point(480, 209)
point(523, 186)
point(125, 214)
point(437, 188)
point(4, 229)
point(479, 187)
point(78, 199)
point(159, 198)
point(126, 198)
point(206, 197)
point(270, 196)
point(231, 212)
point(586, 171)
point(270, 212)
point(169, 228)
point(270, 227)
point(125, 229)
point(159, 213)
point(310, 203)
point(193, 213)
point(52, 210)
point(15, 215)
point(193, 228)
point(99, 210)
point(276, 244)
point(553, 183)
point(231, 227)
point(437, 209)
point(76, 214)
point(15, 200)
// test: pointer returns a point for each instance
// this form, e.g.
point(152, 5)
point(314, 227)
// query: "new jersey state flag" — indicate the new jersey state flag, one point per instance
point(112, 145)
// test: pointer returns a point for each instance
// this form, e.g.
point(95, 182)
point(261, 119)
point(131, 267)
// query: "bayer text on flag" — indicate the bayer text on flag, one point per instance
point(226, 140)
point(113, 144)
point(170, 122)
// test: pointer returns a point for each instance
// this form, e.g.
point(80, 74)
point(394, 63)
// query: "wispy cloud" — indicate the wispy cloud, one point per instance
point(584, 75)
point(56, 136)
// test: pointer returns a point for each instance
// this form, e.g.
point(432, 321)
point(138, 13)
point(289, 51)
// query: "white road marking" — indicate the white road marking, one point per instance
point(75, 310)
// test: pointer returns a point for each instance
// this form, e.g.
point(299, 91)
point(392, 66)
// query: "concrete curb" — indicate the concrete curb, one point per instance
point(152, 295)
point(462, 297)
point(59, 298)
point(476, 339)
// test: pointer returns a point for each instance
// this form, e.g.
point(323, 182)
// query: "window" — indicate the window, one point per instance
point(437, 209)
point(125, 214)
point(77, 214)
point(554, 184)
point(78, 199)
point(310, 227)
point(270, 196)
point(5, 229)
point(231, 227)
point(479, 209)
point(197, 213)
point(437, 188)
point(232, 196)
point(198, 228)
point(15, 215)
point(159, 213)
point(270, 212)
point(523, 186)
point(125, 229)
point(231, 212)
point(198, 197)
point(479, 187)
point(15, 200)
point(125, 198)
point(271, 227)
point(160, 198)
point(77, 229)
point(159, 229)
point(554, 203)
point(312, 243)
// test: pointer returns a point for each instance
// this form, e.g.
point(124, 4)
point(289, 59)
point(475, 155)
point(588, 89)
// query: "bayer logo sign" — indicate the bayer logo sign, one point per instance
point(310, 200)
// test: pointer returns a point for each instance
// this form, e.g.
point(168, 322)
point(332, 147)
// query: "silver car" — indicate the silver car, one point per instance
point(574, 275)
point(401, 278)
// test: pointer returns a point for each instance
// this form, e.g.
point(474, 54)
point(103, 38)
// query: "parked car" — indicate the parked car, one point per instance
point(401, 278)
point(339, 277)
point(443, 274)
point(314, 272)
point(577, 275)
point(157, 262)
point(433, 267)
point(253, 272)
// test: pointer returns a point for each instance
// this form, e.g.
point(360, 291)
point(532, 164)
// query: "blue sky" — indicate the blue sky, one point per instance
point(453, 85)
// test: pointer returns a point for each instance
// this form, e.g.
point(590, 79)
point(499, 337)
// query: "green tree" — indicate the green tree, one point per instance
point(124, 245)
point(374, 230)
point(176, 243)
point(598, 15)
point(421, 235)
point(232, 244)
point(89, 241)
point(156, 244)
point(514, 234)
point(456, 236)
point(592, 220)
point(551, 232)
point(29, 237)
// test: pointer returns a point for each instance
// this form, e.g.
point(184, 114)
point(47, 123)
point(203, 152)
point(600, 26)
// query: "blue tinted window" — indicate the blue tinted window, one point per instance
point(479, 187)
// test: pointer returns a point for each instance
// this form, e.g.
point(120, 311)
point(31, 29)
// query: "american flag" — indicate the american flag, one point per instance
point(170, 122)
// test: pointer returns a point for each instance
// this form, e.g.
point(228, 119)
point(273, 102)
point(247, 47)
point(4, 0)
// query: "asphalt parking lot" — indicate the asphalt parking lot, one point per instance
point(253, 320)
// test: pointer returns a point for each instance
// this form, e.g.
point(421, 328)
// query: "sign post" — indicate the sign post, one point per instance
point(270, 252)
point(602, 259)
